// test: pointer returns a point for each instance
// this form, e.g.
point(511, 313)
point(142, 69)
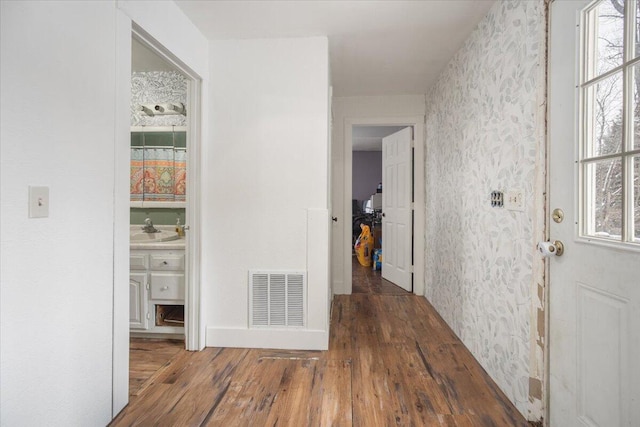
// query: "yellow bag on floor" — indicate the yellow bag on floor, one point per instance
point(364, 246)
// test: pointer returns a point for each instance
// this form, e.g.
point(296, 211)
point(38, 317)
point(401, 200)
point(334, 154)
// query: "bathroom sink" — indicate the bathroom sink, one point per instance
point(161, 236)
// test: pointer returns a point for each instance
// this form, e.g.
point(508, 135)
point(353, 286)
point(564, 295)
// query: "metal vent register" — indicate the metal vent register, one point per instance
point(277, 299)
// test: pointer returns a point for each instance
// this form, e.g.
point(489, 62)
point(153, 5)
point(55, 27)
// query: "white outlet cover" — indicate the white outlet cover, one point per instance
point(514, 200)
point(38, 202)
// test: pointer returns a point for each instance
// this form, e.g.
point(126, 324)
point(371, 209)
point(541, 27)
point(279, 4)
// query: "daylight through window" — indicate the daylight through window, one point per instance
point(610, 121)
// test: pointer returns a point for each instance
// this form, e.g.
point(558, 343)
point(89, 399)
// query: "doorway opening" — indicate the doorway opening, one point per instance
point(367, 207)
point(363, 203)
point(164, 178)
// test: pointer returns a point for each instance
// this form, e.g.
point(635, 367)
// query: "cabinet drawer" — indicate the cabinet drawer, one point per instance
point(167, 286)
point(138, 262)
point(167, 262)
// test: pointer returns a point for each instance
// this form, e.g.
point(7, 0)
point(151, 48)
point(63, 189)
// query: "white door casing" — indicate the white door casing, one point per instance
point(594, 288)
point(397, 227)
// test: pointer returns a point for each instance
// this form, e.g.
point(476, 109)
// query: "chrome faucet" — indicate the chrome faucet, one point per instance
point(148, 226)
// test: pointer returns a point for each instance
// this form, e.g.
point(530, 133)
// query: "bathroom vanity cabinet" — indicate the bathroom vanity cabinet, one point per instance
point(156, 291)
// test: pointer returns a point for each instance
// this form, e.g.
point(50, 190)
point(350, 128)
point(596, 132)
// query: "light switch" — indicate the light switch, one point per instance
point(38, 202)
point(514, 200)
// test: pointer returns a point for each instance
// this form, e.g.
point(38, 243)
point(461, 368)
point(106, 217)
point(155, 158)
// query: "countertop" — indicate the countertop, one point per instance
point(170, 245)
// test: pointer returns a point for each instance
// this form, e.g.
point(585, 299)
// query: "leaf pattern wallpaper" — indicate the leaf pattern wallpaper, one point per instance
point(485, 132)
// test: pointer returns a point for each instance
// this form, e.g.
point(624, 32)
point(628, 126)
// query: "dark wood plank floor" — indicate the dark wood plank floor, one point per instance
point(369, 281)
point(391, 361)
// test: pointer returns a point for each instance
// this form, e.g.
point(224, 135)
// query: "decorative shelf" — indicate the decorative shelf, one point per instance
point(158, 128)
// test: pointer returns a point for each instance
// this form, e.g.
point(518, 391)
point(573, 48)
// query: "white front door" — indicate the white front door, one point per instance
point(397, 228)
point(594, 287)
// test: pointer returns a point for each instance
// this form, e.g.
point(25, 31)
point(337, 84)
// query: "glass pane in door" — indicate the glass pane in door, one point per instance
point(635, 82)
point(606, 36)
point(603, 116)
point(604, 199)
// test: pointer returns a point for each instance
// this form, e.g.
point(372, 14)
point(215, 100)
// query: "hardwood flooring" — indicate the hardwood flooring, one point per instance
point(147, 359)
point(391, 361)
point(369, 281)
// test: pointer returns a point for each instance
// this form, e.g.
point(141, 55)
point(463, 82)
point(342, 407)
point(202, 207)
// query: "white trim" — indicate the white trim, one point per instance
point(419, 194)
point(193, 320)
point(122, 152)
point(282, 339)
point(193, 333)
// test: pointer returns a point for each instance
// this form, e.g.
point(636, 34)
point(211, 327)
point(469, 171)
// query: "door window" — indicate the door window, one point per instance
point(609, 155)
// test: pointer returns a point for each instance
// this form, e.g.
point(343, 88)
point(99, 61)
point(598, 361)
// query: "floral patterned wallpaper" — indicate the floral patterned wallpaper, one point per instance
point(152, 87)
point(485, 132)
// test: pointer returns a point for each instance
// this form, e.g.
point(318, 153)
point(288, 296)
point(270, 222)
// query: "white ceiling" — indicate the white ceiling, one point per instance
point(369, 138)
point(390, 47)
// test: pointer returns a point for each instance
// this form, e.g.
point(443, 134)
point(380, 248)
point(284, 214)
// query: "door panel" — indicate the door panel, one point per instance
point(138, 301)
point(594, 287)
point(396, 202)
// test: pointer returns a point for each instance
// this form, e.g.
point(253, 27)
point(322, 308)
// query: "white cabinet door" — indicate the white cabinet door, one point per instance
point(138, 305)
point(397, 227)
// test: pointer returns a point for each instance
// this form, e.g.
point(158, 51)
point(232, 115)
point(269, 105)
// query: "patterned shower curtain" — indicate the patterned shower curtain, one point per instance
point(180, 162)
point(158, 174)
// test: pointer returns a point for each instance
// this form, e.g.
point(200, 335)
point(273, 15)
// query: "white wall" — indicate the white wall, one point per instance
point(65, 122)
point(348, 109)
point(265, 184)
point(366, 173)
point(57, 272)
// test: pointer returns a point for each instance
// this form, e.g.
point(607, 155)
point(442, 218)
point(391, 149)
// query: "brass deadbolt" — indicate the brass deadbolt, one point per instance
point(557, 215)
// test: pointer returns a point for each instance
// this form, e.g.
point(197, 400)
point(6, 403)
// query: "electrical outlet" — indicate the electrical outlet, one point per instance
point(497, 199)
point(514, 200)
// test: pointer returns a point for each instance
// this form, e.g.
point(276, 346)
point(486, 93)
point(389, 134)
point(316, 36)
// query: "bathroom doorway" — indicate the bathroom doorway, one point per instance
point(164, 274)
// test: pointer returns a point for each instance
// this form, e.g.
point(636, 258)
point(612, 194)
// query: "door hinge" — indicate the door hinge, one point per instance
point(148, 315)
point(147, 286)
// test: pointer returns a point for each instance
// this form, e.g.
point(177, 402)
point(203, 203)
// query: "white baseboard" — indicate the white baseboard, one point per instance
point(338, 288)
point(289, 339)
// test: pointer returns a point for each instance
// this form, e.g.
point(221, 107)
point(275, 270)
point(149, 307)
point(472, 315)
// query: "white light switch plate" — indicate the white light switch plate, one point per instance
point(514, 200)
point(38, 202)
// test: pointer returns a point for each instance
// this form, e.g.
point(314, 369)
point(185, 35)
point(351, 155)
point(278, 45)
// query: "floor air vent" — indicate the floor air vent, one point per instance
point(277, 299)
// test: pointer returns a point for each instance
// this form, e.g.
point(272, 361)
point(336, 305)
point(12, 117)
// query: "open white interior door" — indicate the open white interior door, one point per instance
point(397, 228)
point(594, 286)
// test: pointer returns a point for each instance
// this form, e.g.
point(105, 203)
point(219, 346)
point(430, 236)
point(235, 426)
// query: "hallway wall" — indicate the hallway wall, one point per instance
point(266, 201)
point(485, 121)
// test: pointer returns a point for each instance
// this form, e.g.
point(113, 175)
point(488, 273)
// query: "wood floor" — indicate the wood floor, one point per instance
point(148, 358)
point(391, 361)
